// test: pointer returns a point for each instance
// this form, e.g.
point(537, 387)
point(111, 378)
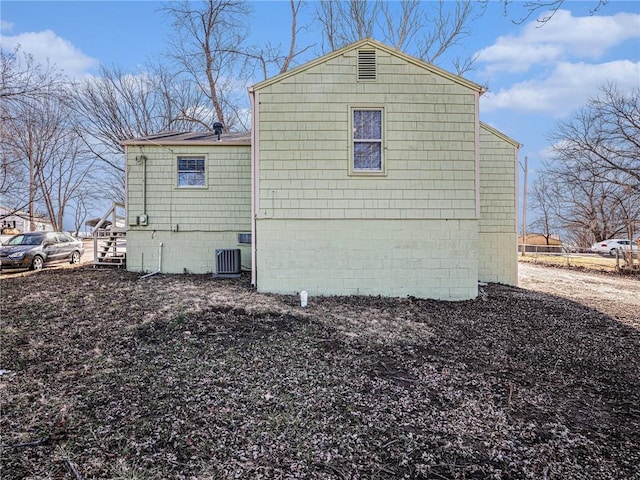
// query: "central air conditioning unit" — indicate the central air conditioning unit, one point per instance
point(228, 263)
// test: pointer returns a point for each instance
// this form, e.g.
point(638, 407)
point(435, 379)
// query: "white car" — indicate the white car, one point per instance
point(613, 245)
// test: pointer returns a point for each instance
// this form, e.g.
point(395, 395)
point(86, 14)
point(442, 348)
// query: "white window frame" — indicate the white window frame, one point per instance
point(353, 141)
point(202, 158)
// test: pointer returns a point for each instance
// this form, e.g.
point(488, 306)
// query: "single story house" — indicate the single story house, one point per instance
point(537, 242)
point(19, 220)
point(367, 171)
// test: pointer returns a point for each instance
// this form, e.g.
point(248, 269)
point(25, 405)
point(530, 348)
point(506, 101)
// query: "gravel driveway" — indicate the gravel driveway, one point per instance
point(614, 295)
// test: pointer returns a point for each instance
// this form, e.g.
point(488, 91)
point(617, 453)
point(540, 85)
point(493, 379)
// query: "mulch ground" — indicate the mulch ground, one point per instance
point(106, 375)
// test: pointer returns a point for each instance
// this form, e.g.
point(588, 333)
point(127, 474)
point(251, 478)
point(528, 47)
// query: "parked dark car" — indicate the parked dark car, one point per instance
point(35, 249)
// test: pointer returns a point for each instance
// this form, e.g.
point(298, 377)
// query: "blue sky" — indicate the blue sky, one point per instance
point(537, 75)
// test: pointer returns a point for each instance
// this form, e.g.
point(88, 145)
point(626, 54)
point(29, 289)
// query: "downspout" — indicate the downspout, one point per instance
point(159, 263)
point(144, 184)
point(126, 185)
point(516, 169)
point(253, 96)
point(477, 152)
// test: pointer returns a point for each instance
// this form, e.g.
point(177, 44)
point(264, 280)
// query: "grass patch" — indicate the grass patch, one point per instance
point(594, 263)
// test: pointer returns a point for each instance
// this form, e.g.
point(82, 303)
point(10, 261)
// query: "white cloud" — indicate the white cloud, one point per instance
point(564, 36)
point(47, 46)
point(565, 89)
point(5, 26)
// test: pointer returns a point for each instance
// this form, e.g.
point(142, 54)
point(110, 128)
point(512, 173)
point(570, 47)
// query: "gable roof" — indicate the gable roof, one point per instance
point(8, 212)
point(191, 138)
point(499, 134)
point(368, 42)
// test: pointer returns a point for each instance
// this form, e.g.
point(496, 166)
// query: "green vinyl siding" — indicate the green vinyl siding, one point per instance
point(498, 261)
point(305, 142)
point(191, 222)
point(438, 217)
point(412, 229)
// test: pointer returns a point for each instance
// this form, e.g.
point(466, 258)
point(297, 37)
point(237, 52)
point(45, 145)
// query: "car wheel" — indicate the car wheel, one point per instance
point(37, 263)
point(75, 257)
point(613, 252)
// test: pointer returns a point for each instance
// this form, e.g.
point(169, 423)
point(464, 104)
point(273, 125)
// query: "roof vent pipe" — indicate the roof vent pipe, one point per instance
point(217, 129)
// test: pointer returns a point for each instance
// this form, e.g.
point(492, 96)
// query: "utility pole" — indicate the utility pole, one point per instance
point(32, 184)
point(628, 190)
point(524, 208)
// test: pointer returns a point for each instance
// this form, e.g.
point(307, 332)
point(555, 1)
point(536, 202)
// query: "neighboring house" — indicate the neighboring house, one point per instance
point(19, 220)
point(367, 172)
point(537, 242)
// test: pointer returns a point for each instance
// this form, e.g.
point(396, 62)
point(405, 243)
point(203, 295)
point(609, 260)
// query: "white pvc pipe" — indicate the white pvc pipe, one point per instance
point(159, 263)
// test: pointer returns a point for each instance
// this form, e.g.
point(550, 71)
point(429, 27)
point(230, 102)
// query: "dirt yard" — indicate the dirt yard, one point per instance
point(616, 295)
point(106, 375)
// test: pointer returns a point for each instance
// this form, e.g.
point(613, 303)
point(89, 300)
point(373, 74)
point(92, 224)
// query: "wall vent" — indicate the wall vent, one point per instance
point(244, 238)
point(228, 263)
point(367, 65)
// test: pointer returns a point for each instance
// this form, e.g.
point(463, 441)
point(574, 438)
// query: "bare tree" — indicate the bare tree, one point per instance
point(205, 44)
point(23, 80)
point(14, 182)
point(327, 17)
point(209, 46)
point(268, 58)
point(402, 27)
point(81, 205)
point(293, 51)
point(543, 202)
point(43, 137)
point(422, 29)
point(117, 106)
point(604, 137)
point(63, 173)
point(586, 209)
point(596, 166)
point(447, 28)
point(548, 8)
point(344, 22)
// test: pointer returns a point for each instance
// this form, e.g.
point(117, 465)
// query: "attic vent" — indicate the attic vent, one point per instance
point(367, 65)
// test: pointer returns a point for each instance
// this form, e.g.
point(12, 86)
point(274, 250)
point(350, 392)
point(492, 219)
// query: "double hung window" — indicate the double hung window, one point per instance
point(367, 142)
point(191, 172)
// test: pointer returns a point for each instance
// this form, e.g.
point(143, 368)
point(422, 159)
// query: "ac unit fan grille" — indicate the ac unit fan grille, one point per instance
point(228, 263)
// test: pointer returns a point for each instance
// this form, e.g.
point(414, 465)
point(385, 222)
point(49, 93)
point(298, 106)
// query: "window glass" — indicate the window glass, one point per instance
point(33, 239)
point(367, 140)
point(52, 237)
point(191, 172)
point(17, 240)
point(367, 156)
point(367, 124)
